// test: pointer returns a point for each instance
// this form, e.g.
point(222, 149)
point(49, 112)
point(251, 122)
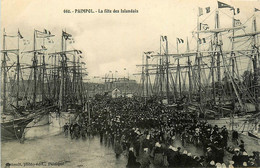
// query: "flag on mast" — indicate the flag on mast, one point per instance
point(66, 35)
point(204, 26)
point(257, 10)
point(203, 40)
point(180, 40)
point(224, 5)
point(207, 9)
point(19, 35)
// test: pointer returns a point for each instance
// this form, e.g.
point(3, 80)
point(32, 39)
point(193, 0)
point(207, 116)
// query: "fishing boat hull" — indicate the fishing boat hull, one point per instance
point(239, 124)
point(40, 121)
point(14, 129)
point(54, 127)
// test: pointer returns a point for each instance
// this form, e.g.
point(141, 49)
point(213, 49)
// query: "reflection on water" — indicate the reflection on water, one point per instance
point(58, 151)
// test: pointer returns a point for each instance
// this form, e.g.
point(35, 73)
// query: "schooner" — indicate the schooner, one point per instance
point(210, 80)
point(52, 83)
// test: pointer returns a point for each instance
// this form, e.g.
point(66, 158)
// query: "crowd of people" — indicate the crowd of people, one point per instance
point(147, 131)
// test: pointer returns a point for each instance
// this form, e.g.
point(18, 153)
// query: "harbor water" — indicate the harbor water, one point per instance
point(58, 151)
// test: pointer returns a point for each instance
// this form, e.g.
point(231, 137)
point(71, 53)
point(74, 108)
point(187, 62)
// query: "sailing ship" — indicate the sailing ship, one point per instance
point(54, 84)
point(210, 80)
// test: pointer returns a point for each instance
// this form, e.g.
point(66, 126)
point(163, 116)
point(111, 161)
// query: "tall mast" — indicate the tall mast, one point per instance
point(147, 78)
point(143, 78)
point(74, 74)
point(218, 54)
point(213, 74)
point(198, 58)
point(62, 88)
point(255, 64)
point(233, 68)
point(189, 72)
point(35, 69)
point(179, 69)
point(18, 72)
point(5, 73)
point(232, 45)
point(43, 71)
point(167, 70)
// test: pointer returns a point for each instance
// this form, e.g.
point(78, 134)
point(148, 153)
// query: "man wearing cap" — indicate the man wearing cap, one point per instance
point(237, 158)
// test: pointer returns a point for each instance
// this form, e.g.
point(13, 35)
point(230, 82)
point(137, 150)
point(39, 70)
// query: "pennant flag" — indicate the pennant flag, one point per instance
point(148, 57)
point(204, 26)
point(44, 34)
point(149, 52)
point(43, 47)
point(79, 51)
point(162, 38)
point(200, 11)
point(257, 10)
point(207, 9)
point(223, 5)
point(237, 22)
point(199, 41)
point(203, 40)
point(180, 40)
point(238, 10)
point(47, 32)
point(66, 35)
point(19, 35)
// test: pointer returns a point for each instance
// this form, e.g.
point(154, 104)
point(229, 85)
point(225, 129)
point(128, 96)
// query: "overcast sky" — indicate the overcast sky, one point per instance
point(112, 42)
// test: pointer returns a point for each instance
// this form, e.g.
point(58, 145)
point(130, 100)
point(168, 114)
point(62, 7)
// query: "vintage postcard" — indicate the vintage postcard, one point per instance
point(130, 83)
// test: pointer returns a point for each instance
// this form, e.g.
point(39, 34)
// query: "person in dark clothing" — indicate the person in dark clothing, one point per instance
point(132, 163)
point(171, 156)
point(118, 148)
point(237, 159)
point(256, 158)
point(235, 136)
point(83, 131)
point(178, 157)
point(66, 129)
point(209, 155)
point(145, 159)
point(76, 130)
point(71, 131)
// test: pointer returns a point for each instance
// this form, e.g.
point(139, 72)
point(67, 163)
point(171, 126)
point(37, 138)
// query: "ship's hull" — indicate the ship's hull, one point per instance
point(39, 121)
point(239, 124)
point(55, 126)
point(14, 129)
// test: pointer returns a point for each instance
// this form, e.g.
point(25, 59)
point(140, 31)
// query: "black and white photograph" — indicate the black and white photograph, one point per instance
point(130, 83)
